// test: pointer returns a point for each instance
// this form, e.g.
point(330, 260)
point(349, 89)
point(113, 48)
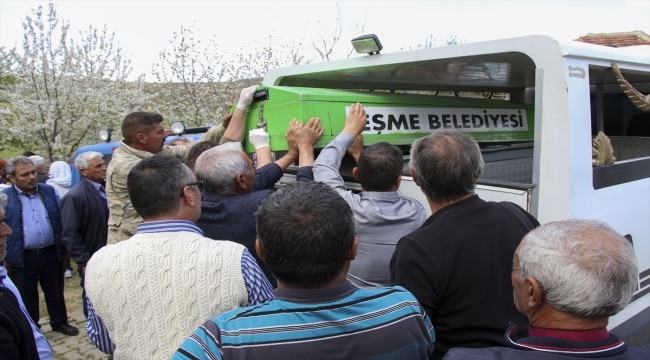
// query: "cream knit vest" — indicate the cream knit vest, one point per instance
point(153, 290)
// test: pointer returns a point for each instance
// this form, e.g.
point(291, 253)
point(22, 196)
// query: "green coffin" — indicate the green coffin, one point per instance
point(396, 118)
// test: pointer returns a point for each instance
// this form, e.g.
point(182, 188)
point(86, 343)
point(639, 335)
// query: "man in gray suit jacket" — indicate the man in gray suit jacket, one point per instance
point(84, 213)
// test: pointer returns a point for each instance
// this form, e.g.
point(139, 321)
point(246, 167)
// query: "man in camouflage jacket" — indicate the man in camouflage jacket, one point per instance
point(144, 136)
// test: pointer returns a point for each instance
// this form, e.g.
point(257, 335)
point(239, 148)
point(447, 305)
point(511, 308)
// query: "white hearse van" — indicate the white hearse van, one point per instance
point(573, 94)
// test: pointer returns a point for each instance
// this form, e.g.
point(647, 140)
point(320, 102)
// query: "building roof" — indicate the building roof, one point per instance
point(617, 39)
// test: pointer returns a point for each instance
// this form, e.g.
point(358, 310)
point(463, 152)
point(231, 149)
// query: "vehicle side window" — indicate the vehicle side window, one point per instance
point(627, 126)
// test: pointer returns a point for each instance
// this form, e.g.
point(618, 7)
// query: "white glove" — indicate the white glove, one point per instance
point(246, 97)
point(259, 138)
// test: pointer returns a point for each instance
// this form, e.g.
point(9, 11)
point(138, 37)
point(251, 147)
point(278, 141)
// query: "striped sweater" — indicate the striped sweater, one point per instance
point(332, 323)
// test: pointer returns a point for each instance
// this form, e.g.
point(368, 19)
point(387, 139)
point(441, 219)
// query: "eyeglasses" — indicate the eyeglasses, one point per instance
point(198, 184)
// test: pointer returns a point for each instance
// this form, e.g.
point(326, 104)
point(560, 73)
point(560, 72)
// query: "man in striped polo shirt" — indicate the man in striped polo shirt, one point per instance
point(306, 237)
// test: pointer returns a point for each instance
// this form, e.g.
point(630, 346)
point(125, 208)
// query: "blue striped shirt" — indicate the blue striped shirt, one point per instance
point(332, 323)
point(257, 285)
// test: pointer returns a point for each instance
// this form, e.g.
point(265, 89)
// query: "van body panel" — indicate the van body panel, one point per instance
point(566, 84)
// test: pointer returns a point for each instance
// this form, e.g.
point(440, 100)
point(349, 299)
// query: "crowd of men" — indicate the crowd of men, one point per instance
point(206, 261)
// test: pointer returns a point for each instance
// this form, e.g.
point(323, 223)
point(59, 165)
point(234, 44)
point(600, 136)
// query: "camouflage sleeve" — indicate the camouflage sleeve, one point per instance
point(117, 192)
point(215, 134)
point(124, 223)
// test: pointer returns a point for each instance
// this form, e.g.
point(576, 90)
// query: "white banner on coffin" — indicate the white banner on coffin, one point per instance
point(387, 120)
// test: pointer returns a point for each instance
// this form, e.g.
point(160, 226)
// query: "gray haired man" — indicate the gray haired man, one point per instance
point(458, 263)
point(35, 247)
point(84, 213)
point(17, 330)
point(39, 164)
point(234, 191)
point(569, 277)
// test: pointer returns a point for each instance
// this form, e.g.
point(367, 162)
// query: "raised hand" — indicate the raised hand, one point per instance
point(225, 120)
point(310, 133)
point(292, 144)
point(356, 148)
point(246, 97)
point(259, 138)
point(356, 120)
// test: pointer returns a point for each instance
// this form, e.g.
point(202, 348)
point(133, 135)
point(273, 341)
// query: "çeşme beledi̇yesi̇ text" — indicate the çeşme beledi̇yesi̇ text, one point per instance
point(402, 119)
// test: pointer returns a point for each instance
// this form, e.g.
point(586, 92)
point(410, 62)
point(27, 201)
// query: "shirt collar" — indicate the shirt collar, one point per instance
point(20, 192)
point(591, 342)
point(94, 184)
point(135, 152)
point(380, 194)
point(571, 335)
point(307, 296)
point(168, 226)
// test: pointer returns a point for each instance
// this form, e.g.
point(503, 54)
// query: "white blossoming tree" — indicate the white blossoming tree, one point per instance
point(196, 82)
point(63, 91)
point(258, 56)
point(189, 77)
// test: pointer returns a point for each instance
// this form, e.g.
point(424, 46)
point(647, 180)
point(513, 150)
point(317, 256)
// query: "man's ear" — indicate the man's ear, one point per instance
point(189, 196)
point(534, 292)
point(82, 172)
point(413, 176)
point(258, 249)
point(352, 252)
point(141, 138)
point(239, 181)
point(355, 172)
point(398, 182)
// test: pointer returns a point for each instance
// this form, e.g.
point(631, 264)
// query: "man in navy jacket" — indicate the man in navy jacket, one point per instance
point(234, 190)
point(35, 247)
point(84, 213)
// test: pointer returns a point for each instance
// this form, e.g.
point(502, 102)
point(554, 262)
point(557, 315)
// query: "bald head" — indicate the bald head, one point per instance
point(219, 167)
point(446, 164)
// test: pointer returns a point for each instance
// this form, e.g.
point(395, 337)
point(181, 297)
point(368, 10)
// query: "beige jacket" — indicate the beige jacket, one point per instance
point(123, 223)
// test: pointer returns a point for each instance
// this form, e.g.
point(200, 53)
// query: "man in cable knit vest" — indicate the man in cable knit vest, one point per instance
point(151, 291)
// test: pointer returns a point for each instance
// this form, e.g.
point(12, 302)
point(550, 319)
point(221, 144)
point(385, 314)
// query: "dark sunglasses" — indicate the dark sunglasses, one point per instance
point(198, 184)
